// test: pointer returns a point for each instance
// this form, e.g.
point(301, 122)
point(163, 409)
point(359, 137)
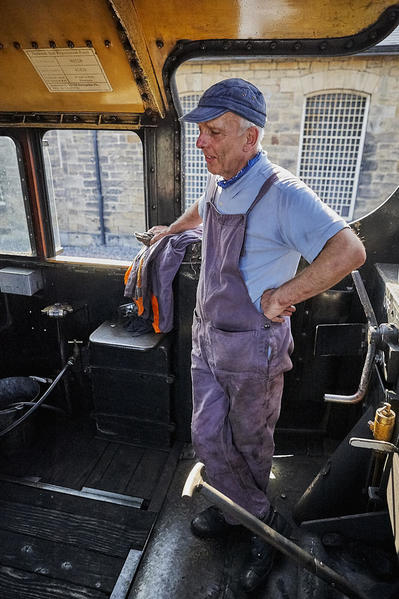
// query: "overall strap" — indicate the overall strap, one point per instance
point(262, 192)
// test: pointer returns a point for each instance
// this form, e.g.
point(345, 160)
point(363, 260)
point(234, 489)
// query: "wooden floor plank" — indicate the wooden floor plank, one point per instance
point(18, 584)
point(72, 452)
point(59, 561)
point(115, 473)
point(147, 474)
point(159, 492)
point(80, 530)
point(106, 527)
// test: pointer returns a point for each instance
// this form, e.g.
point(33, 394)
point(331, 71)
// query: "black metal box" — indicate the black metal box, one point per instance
point(131, 385)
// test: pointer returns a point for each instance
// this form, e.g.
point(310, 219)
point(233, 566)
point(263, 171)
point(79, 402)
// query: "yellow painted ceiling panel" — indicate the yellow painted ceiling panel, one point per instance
point(153, 27)
point(42, 21)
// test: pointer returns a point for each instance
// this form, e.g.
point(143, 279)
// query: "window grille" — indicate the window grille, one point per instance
point(195, 170)
point(333, 131)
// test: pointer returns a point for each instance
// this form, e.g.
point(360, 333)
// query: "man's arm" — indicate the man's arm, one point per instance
point(341, 254)
point(188, 220)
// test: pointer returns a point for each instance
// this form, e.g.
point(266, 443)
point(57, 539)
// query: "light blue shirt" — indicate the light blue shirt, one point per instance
point(290, 221)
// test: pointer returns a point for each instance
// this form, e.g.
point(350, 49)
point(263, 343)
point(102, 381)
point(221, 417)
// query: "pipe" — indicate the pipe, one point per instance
point(23, 404)
point(33, 409)
point(364, 381)
point(290, 549)
point(100, 189)
point(373, 338)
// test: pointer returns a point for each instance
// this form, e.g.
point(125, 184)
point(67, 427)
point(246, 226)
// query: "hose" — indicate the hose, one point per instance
point(23, 404)
point(11, 427)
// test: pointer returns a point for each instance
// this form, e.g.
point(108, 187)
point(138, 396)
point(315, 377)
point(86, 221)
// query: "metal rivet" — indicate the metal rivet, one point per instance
point(34, 44)
point(89, 43)
point(107, 43)
point(17, 45)
point(177, 200)
point(153, 207)
point(152, 169)
point(75, 119)
point(349, 44)
point(267, 326)
point(323, 46)
point(202, 46)
point(52, 44)
point(159, 43)
point(273, 45)
point(248, 46)
point(226, 45)
point(70, 44)
point(297, 46)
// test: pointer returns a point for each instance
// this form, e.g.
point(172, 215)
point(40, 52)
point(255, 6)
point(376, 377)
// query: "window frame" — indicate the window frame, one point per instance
point(23, 176)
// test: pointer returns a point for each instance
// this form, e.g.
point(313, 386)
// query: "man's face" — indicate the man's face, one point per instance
point(224, 145)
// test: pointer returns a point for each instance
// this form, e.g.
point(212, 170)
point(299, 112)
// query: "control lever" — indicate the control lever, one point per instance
point(377, 335)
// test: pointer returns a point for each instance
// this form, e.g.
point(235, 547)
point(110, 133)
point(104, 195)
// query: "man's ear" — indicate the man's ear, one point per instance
point(251, 139)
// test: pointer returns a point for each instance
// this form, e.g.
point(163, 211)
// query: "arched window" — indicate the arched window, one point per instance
point(333, 131)
point(195, 169)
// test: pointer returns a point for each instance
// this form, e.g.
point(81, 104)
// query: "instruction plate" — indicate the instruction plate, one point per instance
point(69, 69)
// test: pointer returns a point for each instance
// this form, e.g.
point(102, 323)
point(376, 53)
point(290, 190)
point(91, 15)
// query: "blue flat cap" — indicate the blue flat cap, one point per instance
point(231, 95)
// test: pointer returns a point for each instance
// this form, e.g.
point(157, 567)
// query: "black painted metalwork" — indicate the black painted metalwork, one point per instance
point(339, 46)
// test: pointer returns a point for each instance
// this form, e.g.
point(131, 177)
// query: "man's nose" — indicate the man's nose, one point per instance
point(201, 141)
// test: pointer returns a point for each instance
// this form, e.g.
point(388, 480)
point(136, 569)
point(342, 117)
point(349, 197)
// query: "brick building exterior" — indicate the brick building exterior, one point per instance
point(286, 83)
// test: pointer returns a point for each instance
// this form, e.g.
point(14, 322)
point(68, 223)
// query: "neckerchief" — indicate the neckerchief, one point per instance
point(223, 183)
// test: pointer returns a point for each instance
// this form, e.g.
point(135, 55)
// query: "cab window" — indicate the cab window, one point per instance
point(95, 186)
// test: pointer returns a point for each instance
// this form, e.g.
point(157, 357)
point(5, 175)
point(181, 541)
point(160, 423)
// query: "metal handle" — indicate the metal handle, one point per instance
point(373, 337)
point(373, 444)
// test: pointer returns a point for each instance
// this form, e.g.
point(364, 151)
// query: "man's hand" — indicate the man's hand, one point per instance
point(188, 220)
point(158, 232)
point(272, 309)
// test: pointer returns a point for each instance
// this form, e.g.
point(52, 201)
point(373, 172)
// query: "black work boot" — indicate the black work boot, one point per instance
point(210, 523)
point(261, 555)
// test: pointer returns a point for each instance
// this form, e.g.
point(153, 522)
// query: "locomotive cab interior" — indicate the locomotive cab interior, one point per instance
point(91, 478)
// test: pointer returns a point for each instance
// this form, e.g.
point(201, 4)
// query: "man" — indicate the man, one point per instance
point(258, 220)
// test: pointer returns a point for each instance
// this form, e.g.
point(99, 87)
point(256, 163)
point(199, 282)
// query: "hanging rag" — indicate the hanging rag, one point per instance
point(149, 279)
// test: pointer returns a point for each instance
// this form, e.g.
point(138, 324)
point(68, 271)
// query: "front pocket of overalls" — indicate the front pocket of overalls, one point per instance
point(240, 351)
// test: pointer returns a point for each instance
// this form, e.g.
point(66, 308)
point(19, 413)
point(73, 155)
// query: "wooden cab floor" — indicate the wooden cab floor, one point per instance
point(76, 512)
